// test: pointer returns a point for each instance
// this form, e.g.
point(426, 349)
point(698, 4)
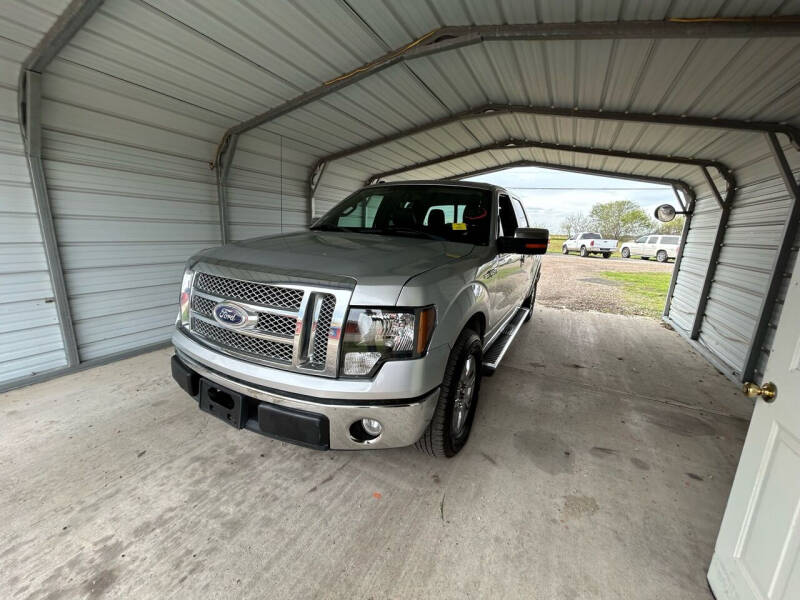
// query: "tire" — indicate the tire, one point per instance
point(444, 437)
point(564, 249)
point(584, 252)
point(606, 254)
point(661, 256)
point(626, 253)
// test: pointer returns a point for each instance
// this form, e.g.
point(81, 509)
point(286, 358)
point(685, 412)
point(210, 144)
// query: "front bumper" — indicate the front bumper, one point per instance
point(403, 421)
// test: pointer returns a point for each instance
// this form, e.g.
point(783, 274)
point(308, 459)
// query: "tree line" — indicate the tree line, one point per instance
point(619, 219)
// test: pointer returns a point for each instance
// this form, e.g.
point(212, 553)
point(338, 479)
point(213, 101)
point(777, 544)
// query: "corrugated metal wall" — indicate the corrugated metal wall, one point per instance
point(30, 337)
point(132, 198)
point(752, 237)
point(267, 186)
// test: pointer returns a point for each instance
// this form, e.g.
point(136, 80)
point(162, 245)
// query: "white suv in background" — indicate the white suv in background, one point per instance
point(663, 247)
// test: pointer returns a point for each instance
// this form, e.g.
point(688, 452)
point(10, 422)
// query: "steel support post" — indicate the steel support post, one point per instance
point(688, 209)
point(713, 260)
point(33, 154)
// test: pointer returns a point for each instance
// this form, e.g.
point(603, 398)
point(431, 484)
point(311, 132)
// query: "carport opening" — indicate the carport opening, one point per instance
point(582, 213)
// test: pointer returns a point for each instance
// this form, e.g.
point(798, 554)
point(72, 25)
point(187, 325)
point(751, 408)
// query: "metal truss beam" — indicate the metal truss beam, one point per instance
point(513, 144)
point(680, 184)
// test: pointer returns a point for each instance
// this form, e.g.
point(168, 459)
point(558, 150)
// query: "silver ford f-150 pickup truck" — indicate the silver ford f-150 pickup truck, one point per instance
point(371, 329)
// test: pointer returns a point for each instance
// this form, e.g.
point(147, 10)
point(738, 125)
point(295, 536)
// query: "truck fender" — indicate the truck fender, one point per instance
point(470, 301)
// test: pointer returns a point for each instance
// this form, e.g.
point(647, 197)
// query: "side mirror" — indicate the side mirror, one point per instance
point(525, 241)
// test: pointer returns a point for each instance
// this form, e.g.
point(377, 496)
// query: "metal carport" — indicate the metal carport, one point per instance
point(125, 103)
point(136, 132)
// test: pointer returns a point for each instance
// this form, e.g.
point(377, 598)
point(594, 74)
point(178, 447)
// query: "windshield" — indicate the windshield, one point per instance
point(427, 211)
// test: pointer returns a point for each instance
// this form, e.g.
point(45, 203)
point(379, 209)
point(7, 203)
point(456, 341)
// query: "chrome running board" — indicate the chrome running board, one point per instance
point(496, 352)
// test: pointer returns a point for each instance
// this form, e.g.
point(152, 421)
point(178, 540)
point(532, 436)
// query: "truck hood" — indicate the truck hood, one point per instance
point(378, 265)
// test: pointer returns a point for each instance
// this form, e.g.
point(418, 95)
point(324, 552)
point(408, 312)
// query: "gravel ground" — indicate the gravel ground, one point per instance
point(577, 284)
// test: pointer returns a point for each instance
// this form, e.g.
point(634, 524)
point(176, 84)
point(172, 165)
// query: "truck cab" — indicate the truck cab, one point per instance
point(372, 328)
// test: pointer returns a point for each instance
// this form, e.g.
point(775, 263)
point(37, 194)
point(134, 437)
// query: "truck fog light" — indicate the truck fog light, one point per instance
point(372, 426)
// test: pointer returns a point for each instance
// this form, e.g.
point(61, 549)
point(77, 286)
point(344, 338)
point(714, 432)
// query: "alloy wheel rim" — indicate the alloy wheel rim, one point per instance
point(465, 390)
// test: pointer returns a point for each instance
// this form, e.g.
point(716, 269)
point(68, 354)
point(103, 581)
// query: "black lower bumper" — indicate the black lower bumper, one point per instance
point(300, 427)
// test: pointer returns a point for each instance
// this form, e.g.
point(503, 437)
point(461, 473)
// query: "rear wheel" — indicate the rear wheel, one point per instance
point(452, 420)
point(661, 256)
point(626, 253)
point(584, 252)
point(564, 249)
point(606, 254)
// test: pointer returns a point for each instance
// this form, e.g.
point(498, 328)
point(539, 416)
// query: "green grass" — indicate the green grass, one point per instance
point(645, 291)
point(556, 241)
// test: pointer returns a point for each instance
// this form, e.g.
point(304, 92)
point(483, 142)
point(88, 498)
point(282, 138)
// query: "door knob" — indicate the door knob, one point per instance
point(768, 391)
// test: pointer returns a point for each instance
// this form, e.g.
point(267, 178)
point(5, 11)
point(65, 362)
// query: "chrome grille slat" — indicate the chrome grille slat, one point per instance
point(320, 348)
point(258, 347)
point(248, 291)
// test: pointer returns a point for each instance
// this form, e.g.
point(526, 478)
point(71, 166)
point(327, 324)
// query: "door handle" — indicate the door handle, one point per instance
point(768, 391)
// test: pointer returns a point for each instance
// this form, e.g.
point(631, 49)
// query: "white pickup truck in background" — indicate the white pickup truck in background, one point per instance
point(587, 243)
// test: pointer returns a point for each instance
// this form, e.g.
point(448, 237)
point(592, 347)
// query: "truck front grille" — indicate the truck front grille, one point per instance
point(244, 343)
point(252, 293)
point(296, 328)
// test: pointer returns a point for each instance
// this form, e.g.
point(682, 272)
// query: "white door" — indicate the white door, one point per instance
point(758, 549)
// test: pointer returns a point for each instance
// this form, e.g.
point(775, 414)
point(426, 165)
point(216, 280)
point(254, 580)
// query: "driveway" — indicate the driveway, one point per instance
point(577, 283)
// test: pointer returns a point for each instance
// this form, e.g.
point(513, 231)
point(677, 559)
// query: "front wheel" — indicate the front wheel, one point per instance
point(606, 254)
point(584, 252)
point(450, 426)
point(626, 253)
point(661, 256)
point(564, 249)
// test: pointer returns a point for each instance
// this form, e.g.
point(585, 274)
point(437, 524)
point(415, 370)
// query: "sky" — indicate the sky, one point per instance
point(552, 195)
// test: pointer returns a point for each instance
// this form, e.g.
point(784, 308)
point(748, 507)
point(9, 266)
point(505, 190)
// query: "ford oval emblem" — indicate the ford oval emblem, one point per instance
point(230, 314)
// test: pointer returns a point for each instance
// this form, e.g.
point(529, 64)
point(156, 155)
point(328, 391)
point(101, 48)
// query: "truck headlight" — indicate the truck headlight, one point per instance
point(185, 298)
point(375, 335)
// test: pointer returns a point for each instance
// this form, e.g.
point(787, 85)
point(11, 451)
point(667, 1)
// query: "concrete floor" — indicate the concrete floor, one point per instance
point(599, 466)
